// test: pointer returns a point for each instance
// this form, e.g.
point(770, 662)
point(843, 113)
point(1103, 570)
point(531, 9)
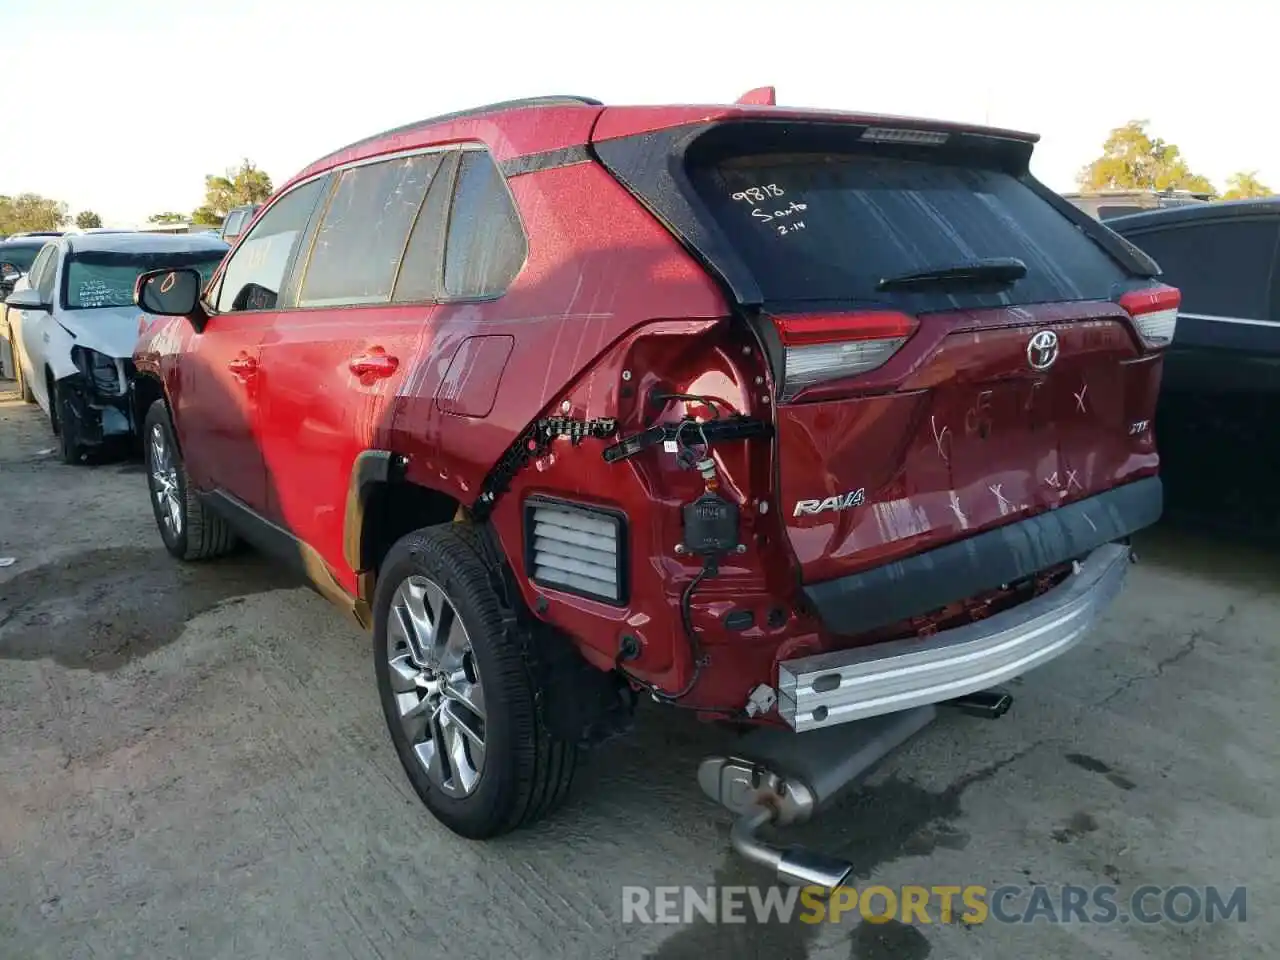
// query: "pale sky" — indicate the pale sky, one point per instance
point(123, 106)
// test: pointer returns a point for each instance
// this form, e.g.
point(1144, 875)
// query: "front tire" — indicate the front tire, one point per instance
point(66, 428)
point(455, 676)
point(24, 388)
point(189, 529)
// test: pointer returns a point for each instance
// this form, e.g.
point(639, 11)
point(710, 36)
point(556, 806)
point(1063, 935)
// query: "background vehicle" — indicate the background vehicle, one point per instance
point(73, 328)
point(19, 253)
point(16, 257)
point(1220, 400)
point(572, 402)
point(1106, 204)
point(237, 220)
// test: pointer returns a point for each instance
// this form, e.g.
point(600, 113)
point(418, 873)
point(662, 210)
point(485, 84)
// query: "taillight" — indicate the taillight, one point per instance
point(1155, 313)
point(823, 347)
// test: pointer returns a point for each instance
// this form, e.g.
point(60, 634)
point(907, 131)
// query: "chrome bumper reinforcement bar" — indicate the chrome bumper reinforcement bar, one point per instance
point(833, 688)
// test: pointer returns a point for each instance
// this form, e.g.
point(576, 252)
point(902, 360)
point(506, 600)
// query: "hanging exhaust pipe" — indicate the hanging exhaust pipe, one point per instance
point(984, 704)
point(778, 778)
point(794, 866)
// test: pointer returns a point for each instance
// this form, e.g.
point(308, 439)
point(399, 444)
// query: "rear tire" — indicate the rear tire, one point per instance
point(499, 768)
point(189, 529)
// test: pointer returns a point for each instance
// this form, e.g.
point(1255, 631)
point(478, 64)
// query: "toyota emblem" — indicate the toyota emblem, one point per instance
point(1042, 350)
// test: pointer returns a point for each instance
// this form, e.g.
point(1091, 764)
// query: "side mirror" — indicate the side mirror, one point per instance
point(171, 293)
point(27, 300)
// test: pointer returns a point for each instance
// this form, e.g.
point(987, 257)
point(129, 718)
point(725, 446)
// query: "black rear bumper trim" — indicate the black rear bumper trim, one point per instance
point(957, 571)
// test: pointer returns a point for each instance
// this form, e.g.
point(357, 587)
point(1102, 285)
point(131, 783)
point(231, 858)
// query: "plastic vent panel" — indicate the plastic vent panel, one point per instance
point(576, 549)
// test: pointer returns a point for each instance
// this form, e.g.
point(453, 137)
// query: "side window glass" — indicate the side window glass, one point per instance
point(1223, 269)
point(364, 231)
point(37, 265)
point(421, 272)
point(255, 271)
point(231, 227)
point(486, 245)
point(48, 273)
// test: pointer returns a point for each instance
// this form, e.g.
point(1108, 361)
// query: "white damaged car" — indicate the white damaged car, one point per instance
point(73, 326)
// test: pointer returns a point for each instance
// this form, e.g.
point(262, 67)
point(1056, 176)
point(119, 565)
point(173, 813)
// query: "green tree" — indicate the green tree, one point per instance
point(87, 219)
point(241, 185)
point(30, 211)
point(1134, 160)
point(167, 217)
point(1245, 186)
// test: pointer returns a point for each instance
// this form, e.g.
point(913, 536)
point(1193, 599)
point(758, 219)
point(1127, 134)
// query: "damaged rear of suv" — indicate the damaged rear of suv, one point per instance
point(789, 418)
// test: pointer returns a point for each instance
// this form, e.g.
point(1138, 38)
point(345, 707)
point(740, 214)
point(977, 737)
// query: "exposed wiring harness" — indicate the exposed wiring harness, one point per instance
point(690, 455)
point(709, 569)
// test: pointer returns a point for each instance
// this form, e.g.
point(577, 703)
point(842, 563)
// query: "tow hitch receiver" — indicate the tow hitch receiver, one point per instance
point(777, 777)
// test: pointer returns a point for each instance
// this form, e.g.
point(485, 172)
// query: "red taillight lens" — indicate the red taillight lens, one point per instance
point(1155, 313)
point(824, 347)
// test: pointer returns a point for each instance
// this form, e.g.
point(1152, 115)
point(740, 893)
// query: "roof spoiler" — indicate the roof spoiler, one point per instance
point(760, 97)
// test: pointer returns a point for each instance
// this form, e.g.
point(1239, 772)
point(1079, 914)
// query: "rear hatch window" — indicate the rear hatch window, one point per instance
point(832, 226)
point(816, 211)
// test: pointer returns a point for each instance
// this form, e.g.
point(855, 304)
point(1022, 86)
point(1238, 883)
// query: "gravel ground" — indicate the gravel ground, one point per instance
point(193, 764)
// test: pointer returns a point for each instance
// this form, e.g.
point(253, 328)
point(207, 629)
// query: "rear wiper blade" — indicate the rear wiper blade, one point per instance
point(993, 271)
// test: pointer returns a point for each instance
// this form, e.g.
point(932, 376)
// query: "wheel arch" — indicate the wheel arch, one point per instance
point(382, 506)
point(145, 389)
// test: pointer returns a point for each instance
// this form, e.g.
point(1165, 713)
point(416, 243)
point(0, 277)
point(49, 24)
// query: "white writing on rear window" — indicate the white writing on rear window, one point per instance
point(791, 209)
point(760, 194)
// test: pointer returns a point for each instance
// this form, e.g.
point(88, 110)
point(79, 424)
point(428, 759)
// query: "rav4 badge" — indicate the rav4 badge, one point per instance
point(854, 498)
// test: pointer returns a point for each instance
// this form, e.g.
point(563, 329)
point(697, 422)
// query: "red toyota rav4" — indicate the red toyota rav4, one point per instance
point(783, 416)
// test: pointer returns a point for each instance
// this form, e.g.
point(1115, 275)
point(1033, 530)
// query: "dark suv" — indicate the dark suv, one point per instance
point(785, 417)
point(1220, 396)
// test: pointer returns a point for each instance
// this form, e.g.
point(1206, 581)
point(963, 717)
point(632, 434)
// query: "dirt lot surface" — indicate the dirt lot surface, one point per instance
point(193, 764)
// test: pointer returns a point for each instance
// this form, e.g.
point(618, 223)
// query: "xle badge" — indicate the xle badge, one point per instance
point(854, 498)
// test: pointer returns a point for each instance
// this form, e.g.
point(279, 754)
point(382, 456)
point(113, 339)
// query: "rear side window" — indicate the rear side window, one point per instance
point(421, 272)
point(486, 245)
point(1223, 268)
point(362, 237)
point(254, 273)
point(830, 226)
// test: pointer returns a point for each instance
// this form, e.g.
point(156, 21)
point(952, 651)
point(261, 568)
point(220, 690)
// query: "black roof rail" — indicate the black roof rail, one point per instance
point(548, 101)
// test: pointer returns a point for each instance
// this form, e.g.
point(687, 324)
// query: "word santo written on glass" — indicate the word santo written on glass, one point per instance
point(767, 193)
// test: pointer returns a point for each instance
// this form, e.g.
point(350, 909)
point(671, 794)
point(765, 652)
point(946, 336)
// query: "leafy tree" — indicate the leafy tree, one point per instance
point(1245, 186)
point(87, 219)
point(30, 211)
point(241, 185)
point(1134, 160)
point(167, 217)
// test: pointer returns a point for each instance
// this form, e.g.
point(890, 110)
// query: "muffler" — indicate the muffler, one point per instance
point(778, 777)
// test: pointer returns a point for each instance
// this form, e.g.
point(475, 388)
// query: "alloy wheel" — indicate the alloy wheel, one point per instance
point(164, 482)
point(436, 686)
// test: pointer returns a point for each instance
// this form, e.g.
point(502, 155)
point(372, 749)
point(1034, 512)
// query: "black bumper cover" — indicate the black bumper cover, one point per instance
point(928, 581)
